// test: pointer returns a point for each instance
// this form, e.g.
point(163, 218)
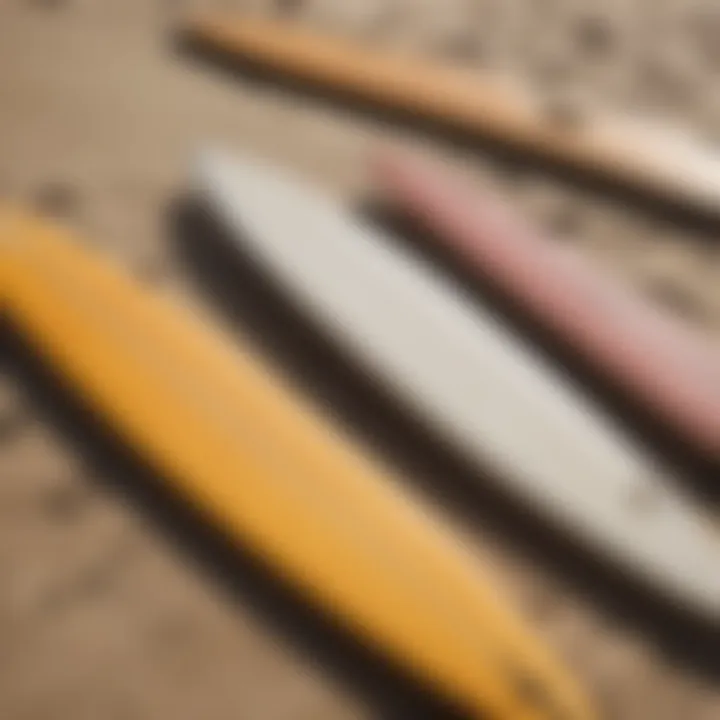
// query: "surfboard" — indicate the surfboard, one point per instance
point(657, 158)
point(663, 364)
point(262, 464)
point(450, 361)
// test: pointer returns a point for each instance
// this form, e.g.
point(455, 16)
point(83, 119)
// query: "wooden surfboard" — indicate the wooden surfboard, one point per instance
point(635, 151)
point(265, 467)
point(450, 360)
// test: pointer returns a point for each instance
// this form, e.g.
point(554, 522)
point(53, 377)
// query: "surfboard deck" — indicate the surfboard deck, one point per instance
point(478, 385)
point(264, 467)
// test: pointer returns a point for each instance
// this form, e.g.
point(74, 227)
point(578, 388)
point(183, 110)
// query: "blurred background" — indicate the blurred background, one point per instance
point(113, 603)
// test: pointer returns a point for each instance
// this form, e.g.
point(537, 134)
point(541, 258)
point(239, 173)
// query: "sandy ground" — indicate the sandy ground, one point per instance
point(107, 608)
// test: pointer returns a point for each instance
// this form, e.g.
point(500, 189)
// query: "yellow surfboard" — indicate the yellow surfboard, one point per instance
point(265, 467)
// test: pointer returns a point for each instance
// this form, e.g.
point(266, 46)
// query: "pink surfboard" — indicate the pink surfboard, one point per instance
point(662, 364)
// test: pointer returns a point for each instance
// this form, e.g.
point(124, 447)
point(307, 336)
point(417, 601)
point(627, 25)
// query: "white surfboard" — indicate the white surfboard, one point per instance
point(480, 386)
